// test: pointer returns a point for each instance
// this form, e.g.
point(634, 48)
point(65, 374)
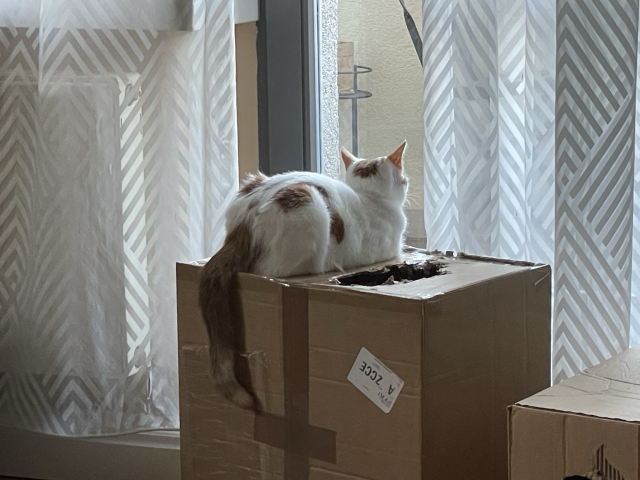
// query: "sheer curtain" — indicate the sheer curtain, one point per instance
point(118, 157)
point(530, 114)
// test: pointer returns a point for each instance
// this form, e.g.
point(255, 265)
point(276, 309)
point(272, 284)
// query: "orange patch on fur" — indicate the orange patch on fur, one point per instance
point(396, 157)
point(251, 182)
point(347, 157)
point(337, 227)
point(293, 196)
point(366, 168)
point(322, 190)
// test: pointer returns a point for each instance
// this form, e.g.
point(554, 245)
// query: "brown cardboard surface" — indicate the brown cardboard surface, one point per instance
point(471, 377)
point(466, 344)
point(590, 421)
point(538, 453)
point(554, 445)
point(392, 328)
point(609, 390)
point(461, 272)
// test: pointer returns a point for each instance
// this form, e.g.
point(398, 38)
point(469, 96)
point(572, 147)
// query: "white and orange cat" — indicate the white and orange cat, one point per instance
point(292, 224)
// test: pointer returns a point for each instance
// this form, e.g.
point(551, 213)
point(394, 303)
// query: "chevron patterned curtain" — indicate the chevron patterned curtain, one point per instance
point(118, 157)
point(531, 152)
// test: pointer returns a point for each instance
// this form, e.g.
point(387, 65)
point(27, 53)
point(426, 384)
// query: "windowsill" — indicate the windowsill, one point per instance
point(139, 456)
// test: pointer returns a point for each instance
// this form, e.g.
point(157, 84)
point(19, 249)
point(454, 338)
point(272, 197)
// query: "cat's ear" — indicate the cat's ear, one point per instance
point(396, 157)
point(347, 158)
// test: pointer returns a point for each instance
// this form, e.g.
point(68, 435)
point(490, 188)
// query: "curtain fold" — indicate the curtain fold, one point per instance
point(595, 135)
point(530, 140)
point(118, 156)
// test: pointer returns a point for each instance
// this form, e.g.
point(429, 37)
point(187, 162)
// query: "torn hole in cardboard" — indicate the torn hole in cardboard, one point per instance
point(391, 274)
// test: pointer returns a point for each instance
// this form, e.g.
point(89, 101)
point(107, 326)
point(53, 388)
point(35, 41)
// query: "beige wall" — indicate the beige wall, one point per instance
point(247, 97)
point(394, 112)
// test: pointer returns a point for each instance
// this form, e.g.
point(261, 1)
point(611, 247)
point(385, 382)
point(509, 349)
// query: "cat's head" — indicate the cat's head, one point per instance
point(382, 177)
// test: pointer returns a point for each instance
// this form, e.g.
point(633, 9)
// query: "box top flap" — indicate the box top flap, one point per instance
point(609, 390)
point(459, 271)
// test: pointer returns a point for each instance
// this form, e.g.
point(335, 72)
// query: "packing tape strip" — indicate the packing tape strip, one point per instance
point(272, 430)
point(299, 440)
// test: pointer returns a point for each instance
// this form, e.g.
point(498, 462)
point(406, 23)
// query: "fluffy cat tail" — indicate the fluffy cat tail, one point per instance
point(221, 309)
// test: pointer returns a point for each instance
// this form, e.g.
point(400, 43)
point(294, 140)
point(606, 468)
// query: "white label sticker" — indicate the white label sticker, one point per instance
point(375, 380)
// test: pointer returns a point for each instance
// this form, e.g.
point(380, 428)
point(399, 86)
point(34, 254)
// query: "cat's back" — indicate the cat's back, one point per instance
point(269, 186)
point(260, 190)
point(271, 196)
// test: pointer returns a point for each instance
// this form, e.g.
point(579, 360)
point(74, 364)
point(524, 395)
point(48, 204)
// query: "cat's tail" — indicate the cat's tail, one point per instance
point(222, 314)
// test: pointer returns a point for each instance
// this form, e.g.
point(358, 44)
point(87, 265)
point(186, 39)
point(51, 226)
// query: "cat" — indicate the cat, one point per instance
point(292, 224)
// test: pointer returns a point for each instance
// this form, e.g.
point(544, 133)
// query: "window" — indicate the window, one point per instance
point(309, 103)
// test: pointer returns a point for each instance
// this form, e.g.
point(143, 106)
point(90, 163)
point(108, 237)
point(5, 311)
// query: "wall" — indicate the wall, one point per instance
point(247, 97)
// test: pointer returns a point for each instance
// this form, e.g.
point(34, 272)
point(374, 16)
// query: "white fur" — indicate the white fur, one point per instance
point(298, 241)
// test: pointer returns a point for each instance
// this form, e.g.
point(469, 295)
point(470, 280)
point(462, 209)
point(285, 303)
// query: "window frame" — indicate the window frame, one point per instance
point(288, 86)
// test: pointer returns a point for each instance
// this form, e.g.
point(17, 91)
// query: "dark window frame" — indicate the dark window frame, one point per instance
point(288, 86)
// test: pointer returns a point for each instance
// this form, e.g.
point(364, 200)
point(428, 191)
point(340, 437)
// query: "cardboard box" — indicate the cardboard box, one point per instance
point(586, 426)
point(466, 344)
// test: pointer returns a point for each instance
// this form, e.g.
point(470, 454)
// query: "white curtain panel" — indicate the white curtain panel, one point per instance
point(118, 157)
point(530, 114)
